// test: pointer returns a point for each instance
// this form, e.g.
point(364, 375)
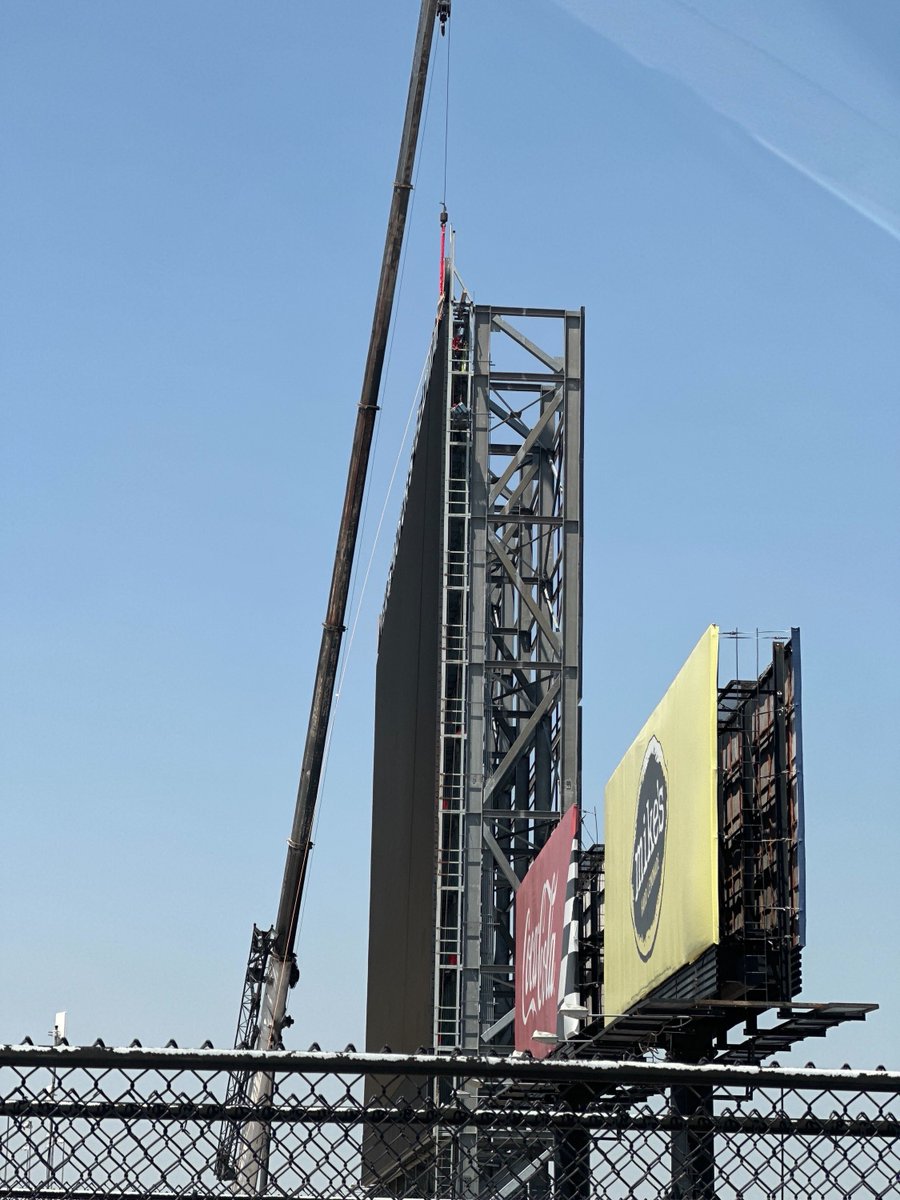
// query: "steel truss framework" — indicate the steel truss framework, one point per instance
point(523, 727)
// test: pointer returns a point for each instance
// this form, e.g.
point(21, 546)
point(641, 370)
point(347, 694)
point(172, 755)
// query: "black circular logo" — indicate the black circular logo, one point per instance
point(649, 856)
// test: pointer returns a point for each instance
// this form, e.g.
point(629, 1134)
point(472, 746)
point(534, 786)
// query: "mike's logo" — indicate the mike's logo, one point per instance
point(649, 857)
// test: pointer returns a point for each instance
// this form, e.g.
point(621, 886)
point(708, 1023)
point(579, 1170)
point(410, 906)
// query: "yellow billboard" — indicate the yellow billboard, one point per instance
point(661, 830)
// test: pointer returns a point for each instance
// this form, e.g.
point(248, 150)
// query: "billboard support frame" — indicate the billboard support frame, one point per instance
point(525, 629)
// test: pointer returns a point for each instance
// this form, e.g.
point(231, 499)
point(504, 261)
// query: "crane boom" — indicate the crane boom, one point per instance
point(300, 842)
point(285, 930)
point(272, 970)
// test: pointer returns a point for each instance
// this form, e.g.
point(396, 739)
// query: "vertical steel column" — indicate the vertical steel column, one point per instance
point(573, 552)
point(693, 1147)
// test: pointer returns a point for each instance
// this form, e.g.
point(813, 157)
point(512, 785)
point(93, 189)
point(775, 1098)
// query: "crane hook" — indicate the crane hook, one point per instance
point(443, 12)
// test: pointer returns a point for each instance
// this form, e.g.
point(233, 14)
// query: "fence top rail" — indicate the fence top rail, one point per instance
point(514, 1067)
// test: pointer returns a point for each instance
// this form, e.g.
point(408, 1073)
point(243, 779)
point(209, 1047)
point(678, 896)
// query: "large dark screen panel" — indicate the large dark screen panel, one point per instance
point(401, 917)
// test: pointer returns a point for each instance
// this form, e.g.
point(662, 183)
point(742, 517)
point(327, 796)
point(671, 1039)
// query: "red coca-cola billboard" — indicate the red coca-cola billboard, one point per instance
point(540, 937)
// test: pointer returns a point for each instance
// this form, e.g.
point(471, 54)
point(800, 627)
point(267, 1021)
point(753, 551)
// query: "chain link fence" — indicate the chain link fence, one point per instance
point(93, 1121)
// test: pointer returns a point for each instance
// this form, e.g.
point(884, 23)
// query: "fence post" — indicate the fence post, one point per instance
point(693, 1147)
point(573, 1151)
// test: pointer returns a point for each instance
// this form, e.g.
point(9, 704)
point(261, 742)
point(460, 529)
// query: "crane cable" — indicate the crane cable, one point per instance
point(446, 116)
point(444, 14)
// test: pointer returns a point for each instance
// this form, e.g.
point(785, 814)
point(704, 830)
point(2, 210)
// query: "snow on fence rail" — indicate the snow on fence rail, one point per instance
point(138, 1122)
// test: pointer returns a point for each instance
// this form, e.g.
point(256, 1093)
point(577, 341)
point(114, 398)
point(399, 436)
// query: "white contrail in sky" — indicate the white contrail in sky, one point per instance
point(887, 221)
point(802, 122)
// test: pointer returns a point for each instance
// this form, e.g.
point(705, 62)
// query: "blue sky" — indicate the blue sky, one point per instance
point(193, 200)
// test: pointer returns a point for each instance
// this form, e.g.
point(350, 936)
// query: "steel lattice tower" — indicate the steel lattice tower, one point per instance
point(478, 730)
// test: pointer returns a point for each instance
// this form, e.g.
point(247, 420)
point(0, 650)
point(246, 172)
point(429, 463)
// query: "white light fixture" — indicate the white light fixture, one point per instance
point(576, 1011)
point(541, 1035)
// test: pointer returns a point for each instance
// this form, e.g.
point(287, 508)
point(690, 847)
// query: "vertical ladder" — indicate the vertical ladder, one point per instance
point(452, 757)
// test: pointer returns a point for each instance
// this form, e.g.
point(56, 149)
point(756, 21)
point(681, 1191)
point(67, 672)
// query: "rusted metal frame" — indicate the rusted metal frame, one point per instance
point(749, 908)
point(782, 815)
point(799, 843)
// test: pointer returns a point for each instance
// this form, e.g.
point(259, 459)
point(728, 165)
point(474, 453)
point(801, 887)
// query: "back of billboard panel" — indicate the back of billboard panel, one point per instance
point(400, 1000)
point(662, 902)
